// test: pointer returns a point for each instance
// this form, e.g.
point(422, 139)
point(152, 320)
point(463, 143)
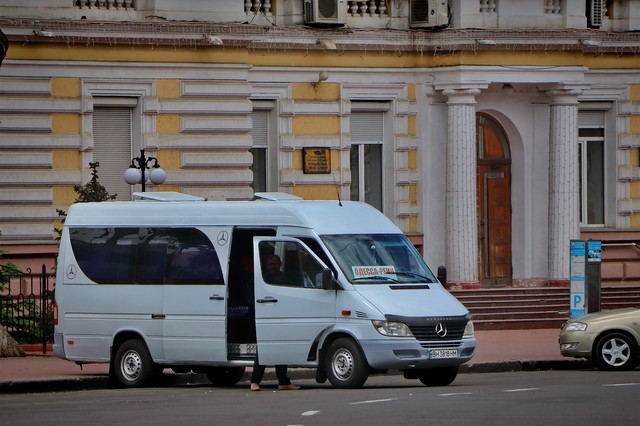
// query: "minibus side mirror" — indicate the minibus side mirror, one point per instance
point(442, 274)
point(328, 283)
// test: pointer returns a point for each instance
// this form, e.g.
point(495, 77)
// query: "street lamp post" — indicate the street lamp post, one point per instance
point(138, 171)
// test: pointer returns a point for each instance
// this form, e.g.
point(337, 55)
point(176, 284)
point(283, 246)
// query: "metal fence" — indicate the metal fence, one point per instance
point(26, 307)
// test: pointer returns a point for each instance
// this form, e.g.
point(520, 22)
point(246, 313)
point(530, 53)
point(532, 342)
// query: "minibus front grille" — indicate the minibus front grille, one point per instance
point(441, 345)
point(429, 333)
point(434, 329)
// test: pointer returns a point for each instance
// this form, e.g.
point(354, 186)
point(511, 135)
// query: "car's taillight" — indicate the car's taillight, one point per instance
point(55, 312)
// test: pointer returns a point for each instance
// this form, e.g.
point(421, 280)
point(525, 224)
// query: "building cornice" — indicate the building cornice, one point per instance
point(194, 34)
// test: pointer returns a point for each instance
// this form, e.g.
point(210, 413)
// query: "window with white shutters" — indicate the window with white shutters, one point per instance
point(367, 134)
point(591, 156)
point(264, 147)
point(259, 147)
point(113, 147)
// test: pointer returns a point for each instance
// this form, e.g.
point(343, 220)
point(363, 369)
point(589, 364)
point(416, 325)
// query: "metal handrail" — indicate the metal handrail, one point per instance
point(636, 246)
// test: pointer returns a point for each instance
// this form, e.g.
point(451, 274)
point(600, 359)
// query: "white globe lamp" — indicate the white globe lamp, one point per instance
point(157, 175)
point(133, 176)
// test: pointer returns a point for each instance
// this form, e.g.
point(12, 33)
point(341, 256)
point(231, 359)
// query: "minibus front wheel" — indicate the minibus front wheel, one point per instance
point(345, 364)
point(133, 366)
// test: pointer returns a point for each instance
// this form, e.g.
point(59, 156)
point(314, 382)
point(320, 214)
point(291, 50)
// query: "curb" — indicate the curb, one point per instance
point(515, 366)
point(190, 379)
point(53, 385)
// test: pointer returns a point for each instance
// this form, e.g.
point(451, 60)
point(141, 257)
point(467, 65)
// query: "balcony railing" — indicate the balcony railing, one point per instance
point(488, 6)
point(370, 8)
point(360, 14)
point(552, 7)
point(104, 4)
point(257, 7)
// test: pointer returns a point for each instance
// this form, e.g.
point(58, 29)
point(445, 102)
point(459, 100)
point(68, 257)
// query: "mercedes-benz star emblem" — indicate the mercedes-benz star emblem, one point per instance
point(71, 272)
point(223, 237)
point(441, 330)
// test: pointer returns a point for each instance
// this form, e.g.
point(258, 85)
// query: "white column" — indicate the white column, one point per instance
point(461, 201)
point(564, 222)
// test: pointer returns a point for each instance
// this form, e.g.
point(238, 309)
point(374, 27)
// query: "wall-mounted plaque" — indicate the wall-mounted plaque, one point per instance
point(316, 160)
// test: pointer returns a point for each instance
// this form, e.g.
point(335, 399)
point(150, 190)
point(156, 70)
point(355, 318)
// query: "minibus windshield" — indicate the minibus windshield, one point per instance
point(378, 259)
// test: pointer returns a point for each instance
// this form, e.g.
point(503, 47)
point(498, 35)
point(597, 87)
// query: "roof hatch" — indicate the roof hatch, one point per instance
point(167, 196)
point(276, 196)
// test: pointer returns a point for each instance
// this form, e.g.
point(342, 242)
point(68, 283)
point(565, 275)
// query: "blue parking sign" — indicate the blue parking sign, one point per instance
point(578, 263)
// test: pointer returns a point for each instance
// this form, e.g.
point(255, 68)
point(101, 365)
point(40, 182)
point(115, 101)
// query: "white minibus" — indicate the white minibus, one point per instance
point(175, 281)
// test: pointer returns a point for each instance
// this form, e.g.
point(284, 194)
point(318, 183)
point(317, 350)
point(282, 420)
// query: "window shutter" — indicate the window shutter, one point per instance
point(260, 136)
point(260, 130)
point(112, 148)
point(590, 118)
point(367, 126)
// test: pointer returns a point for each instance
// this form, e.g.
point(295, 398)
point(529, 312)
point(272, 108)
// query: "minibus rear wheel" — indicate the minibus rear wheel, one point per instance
point(133, 366)
point(225, 376)
point(438, 376)
point(345, 364)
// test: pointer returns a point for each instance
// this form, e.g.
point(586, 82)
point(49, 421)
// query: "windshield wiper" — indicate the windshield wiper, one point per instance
point(411, 274)
point(377, 277)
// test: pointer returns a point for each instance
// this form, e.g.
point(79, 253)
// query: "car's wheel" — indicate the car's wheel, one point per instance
point(345, 364)
point(225, 376)
point(132, 364)
point(616, 351)
point(438, 376)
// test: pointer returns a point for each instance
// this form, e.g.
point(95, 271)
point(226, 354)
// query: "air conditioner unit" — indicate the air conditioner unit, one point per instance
point(325, 12)
point(594, 13)
point(429, 14)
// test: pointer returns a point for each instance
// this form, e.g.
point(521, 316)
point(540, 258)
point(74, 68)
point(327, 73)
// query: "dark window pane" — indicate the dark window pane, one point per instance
point(289, 264)
point(580, 195)
point(151, 256)
point(373, 175)
point(590, 132)
point(105, 255)
point(354, 159)
point(259, 169)
point(192, 259)
point(595, 182)
point(146, 256)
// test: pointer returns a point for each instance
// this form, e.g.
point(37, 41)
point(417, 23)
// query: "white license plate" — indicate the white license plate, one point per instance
point(443, 353)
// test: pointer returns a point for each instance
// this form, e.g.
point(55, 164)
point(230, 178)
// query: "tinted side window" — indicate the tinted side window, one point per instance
point(146, 256)
point(191, 259)
point(289, 264)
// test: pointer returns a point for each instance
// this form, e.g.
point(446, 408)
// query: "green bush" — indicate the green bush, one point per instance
point(92, 191)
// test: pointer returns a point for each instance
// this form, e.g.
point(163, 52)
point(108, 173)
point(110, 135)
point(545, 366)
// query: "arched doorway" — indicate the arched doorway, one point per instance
point(494, 202)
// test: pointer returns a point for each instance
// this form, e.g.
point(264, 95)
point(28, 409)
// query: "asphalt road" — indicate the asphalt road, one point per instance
point(586, 397)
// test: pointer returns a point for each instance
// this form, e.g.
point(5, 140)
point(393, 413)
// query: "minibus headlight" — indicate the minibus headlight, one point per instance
point(394, 329)
point(468, 330)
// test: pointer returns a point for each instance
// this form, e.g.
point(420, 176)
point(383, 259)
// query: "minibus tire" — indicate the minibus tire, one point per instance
point(345, 364)
point(132, 365)
point(225, 376)
point(438, 376)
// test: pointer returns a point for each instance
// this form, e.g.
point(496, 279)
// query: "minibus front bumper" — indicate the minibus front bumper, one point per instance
point(402, 354)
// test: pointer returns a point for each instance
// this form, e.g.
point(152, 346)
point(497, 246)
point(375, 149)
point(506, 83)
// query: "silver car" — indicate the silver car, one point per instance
point(611, 338)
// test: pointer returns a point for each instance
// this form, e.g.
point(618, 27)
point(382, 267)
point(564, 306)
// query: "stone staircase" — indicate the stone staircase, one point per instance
point(538, 307)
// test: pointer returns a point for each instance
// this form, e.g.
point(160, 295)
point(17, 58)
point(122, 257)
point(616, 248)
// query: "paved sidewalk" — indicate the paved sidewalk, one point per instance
point(497, 351)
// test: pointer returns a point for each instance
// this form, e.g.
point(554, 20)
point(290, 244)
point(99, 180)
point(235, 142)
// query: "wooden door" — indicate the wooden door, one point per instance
point(494, 203)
